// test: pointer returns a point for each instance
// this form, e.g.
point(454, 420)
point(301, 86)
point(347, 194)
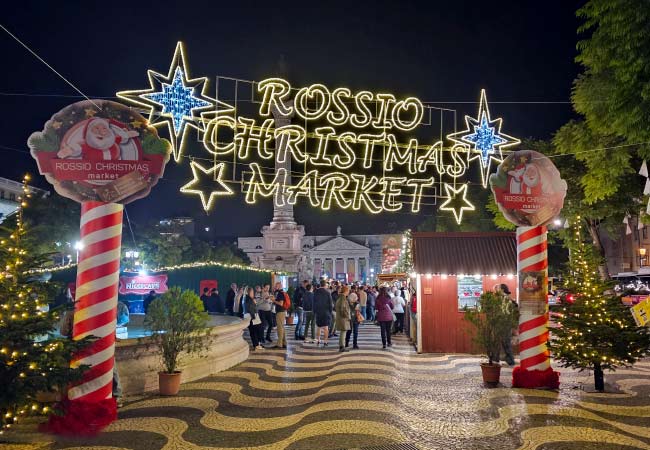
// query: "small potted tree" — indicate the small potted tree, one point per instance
point(177, 323)
point(493, 319)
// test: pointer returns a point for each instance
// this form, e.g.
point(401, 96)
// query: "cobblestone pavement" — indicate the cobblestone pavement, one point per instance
point(317, 398)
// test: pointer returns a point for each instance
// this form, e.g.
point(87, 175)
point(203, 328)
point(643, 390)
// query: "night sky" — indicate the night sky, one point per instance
point(441, 52)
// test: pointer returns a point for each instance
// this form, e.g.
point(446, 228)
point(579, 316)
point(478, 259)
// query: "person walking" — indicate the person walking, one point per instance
point(384, 314)
point(370, 306)
point(363, 301)
point(237, 303)
point(280, 315)
point(398, 310)
point(147, 300)
point(216, 303)
point(308, 305)
point(343, 316)
point(298, 296)
point(355, 319)
point(266, 312)
point(322, 312)
point(250, 307)
point(205, 298)
point(506, 344)
point(335, 296)
point(230, 299)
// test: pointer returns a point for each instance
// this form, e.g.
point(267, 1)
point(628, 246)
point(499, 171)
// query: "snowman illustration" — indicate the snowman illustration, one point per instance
point(516, 178)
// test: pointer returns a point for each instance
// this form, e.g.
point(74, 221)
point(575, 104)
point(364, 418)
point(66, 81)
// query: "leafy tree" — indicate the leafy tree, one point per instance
point(612, 95)
point(32, 358)
point(597, 332)
point(53, 223)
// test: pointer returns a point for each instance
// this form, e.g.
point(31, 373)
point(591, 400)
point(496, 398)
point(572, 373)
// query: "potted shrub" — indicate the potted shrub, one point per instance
point(494, 318)
point(177, 323)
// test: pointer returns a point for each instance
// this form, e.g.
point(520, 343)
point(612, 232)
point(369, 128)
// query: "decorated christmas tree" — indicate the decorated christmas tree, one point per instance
point(597, 331)
point(405, 262)
point(33, 360)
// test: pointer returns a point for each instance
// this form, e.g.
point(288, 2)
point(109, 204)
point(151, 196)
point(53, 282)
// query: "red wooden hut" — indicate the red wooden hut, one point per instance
point(451, 271)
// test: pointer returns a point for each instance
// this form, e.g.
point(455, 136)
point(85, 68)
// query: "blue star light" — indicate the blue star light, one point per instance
point(178, 101)
point(484, 139)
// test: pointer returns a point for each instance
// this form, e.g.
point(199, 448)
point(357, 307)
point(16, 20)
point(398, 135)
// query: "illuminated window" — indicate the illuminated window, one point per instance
point(469, 290)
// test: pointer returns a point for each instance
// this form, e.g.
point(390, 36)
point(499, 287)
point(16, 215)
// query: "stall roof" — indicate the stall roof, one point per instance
point(465, 253)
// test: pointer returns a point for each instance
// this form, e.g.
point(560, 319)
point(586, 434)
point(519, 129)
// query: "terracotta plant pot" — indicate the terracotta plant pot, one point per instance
point(491, 373)
point(169, 383)
point(290, 320)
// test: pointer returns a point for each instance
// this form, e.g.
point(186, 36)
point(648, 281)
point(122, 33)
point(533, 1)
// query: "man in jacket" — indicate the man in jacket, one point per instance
point(230, 299)
point(298, 306)
point(308, 306)
point(280, 315)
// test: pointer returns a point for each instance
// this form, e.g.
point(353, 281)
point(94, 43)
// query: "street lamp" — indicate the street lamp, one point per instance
point(78, 246)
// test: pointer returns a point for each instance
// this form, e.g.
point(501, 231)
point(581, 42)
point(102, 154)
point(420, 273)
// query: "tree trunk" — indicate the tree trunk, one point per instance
point(599, 378)
point(592, 225)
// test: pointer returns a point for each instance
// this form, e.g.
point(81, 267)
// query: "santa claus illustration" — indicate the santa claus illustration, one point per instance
point(532, 181)
point(100, 141)
point(516, 176)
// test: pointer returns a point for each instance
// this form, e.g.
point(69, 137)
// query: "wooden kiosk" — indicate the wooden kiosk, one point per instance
point(451, 271)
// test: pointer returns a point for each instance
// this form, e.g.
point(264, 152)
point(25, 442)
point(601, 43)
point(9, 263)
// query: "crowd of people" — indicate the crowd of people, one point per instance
point(328, 310)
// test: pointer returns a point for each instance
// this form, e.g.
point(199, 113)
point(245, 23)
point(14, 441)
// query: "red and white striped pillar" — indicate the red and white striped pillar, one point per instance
point(90, 406)
point(535, 364)
point(95, 313)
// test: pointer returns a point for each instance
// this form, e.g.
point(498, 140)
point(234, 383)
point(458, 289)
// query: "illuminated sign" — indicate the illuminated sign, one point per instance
point(352, 150)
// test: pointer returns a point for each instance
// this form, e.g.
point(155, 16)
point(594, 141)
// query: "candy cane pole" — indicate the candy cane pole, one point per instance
point(535, 366)
point(96, 308)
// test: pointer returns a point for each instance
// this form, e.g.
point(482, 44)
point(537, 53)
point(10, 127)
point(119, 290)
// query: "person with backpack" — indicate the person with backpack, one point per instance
point(282, 304)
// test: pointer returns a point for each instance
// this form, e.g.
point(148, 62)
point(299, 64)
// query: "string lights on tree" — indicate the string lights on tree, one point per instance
point(597, 331)
point(33, 360)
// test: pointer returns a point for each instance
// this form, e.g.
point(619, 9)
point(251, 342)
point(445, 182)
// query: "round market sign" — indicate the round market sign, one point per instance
point(100, 150)
point(528, 189)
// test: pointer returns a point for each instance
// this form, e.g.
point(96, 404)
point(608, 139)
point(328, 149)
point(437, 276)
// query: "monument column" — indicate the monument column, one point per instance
point(282, 213)
point(282, 237)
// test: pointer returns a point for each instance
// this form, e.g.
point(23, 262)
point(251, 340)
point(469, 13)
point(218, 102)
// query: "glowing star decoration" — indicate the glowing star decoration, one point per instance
point(456, 201)
point(176, 100)
point(192, 187)
point(484, 137)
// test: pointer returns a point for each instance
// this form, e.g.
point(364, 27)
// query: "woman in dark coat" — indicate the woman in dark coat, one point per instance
point(322, 312)
point(250, 307)
point(384, 307)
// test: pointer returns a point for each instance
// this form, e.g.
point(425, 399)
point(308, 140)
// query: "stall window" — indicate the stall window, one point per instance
point(469, 290)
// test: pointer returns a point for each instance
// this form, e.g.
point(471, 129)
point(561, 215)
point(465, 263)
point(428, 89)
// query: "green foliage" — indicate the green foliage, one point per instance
point(51, 220)
point(605, 147)
point(33, 358)
point(493, 319)
point(613, 93)
point(405, 262)
point(152, 144)
point(178, 324)
point(597, 331)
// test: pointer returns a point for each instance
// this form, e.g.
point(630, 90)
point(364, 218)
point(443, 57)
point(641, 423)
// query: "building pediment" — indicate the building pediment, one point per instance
point(339, 243)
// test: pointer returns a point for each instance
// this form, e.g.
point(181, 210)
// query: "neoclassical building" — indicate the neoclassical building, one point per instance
point(355, 257)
